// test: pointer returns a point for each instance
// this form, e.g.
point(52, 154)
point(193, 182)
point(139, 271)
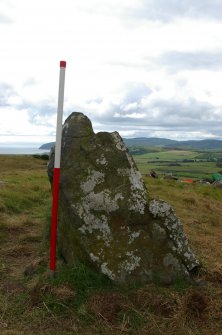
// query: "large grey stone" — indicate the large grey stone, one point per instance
point(106, 218)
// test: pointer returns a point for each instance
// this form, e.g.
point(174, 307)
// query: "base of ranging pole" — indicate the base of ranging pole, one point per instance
point(52, 274)
point(55, 203)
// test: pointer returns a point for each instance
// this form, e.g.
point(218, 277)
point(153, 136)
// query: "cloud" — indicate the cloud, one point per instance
point(146, 113)
point(179, 61)
point(155, 10)
point(186, 114)
point(135, 92)
point(138, 111)
point(30, 82)
point(4, 19)
point(41, 114)
point(162, 10)
point(165, 113)
point(6, 93)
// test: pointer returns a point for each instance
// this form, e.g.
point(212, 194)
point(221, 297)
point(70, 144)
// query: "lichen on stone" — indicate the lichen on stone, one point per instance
point(94, 178)
point(102, 160)
point(93, 257)
point(138, 197)
point(133, 235)
point(106, 271)
point(131, 263)
point(97, 225)
point(118, 141)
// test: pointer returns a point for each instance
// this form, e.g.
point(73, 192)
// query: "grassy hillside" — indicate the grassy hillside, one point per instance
point(79, 301)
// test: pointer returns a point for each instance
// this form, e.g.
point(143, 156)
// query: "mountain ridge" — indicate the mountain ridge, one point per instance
point(162, 142)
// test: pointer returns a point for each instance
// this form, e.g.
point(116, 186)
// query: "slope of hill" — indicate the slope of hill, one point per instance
point(167, 143)
point(149, 141)
point(47, 146)
point(164, 143)
point(203, 144)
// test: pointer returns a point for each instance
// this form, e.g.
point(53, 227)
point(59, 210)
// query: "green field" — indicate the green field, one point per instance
point(181, 163)
point(79, 300)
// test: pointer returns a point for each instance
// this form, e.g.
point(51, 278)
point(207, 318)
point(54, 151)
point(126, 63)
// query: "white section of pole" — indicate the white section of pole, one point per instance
point(60, 114)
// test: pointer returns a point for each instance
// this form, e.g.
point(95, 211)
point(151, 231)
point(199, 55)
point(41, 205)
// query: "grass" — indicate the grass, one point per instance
point(173, 161)
point(170, 155)
point(81, 301)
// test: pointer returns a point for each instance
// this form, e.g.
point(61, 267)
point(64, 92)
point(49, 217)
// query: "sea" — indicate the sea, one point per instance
point(22, 151)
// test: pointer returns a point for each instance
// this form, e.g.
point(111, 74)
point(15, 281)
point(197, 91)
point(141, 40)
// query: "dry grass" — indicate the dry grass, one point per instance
point(79, 302)
point(200, 208)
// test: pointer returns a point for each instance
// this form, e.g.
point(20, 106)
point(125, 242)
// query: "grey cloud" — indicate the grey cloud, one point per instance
point(6, 92)
point(166, 10)
point(40, 114)
point(165, 113)
point(182, 114)
point(4, 19)
point(129, 104)
point(159, 115)
point(178, 61)
point(136, 92)
point(141, 113)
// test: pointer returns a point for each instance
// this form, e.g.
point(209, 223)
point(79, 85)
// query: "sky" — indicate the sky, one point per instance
point(144, 68)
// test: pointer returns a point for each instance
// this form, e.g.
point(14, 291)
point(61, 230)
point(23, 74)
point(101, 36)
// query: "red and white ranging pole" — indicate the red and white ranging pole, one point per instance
point(55, 194)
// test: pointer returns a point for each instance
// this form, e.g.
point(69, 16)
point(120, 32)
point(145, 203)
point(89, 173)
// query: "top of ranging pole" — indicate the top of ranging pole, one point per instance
point(56, 175)
point(60, 114)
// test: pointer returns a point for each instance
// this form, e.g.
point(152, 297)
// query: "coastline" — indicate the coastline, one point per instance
point(22, 151)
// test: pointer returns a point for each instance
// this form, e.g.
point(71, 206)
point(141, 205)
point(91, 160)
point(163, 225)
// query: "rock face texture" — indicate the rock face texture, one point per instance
point(106, 218)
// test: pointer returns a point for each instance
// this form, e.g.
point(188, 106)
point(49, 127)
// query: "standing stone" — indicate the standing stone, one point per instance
point(106, 218)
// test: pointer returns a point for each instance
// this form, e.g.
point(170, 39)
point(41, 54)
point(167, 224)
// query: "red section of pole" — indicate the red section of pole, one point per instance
point(55, 202)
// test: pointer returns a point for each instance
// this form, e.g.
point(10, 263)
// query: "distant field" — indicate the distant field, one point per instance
point(179, 163)
point(170, 155)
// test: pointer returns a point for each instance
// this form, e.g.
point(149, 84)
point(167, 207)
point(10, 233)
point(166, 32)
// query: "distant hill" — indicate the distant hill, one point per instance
point(163, 143)
point(148, 141)
point(47, 146)
point(203, 144)
point(166, 143)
